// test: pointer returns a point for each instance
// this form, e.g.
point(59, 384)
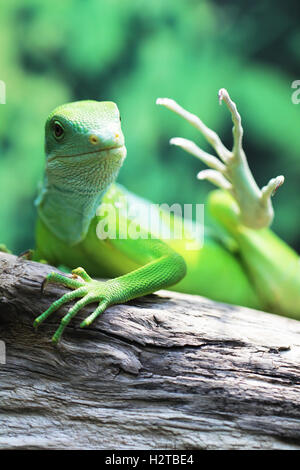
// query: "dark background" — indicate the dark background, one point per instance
point(132, 52)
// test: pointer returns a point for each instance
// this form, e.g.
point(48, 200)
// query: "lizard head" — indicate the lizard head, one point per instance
point(85, 150)
point(84, 130)
point(84, 147)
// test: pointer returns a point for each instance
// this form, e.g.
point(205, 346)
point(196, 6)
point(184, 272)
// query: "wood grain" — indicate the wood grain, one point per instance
point(166, 371)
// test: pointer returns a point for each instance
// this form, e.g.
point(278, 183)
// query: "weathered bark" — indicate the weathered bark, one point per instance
point(161, 372)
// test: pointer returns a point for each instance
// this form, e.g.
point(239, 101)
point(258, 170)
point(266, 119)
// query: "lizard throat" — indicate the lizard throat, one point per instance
point(72, 191)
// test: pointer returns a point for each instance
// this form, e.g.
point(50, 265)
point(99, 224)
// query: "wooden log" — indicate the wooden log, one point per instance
point(166, 371)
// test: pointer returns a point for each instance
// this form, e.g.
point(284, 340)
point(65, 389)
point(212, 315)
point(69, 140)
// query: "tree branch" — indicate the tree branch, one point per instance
point(165, 371)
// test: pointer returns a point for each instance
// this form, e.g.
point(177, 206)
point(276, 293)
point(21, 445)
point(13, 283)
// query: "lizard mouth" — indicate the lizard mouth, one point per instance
point(107, 149)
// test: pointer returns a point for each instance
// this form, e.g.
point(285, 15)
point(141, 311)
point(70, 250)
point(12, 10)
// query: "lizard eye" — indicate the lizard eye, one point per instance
point(58, 130)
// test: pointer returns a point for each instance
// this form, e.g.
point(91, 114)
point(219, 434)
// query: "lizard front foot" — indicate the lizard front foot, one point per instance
point(84, 287)
point(230, 171)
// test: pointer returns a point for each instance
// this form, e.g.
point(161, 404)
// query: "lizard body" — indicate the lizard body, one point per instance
point(84, 152)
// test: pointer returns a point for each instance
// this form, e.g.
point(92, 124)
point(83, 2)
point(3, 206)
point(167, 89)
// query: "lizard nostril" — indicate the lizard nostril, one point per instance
point(93, 139)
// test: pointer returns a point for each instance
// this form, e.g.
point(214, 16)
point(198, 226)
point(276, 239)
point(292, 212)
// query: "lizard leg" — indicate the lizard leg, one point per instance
point(242, 208)
point(230, 171)
point(163, 267)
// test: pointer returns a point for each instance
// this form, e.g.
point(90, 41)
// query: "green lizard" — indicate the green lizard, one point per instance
point(245, 264)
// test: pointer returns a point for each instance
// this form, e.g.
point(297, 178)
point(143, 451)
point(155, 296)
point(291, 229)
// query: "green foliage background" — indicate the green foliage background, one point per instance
point(131, 52)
